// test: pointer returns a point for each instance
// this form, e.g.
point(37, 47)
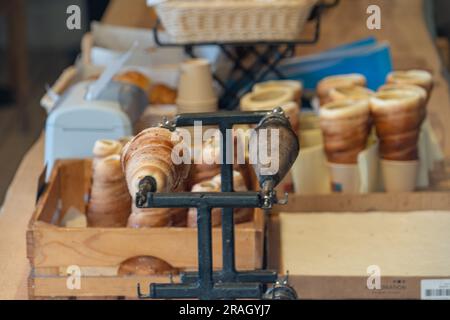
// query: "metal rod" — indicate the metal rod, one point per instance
point(225, 117)
point(248, 199)
point(265, 276)
point(228, 259)
point(205, 261)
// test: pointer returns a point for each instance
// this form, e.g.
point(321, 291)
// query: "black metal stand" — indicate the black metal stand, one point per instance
point(227, 283)
point(266, 59)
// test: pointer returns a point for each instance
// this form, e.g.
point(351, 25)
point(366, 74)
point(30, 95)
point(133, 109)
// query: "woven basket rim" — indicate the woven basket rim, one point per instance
point(217, 4)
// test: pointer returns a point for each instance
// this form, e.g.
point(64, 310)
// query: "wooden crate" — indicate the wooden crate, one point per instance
point(99, 252)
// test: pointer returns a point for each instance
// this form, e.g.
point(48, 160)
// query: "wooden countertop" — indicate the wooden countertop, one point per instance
point(14, 216)
point(402, 26)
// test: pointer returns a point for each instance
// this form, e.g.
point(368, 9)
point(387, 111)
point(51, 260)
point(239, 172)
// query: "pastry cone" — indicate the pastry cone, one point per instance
point(405, 154)
point(344, 110)
point(294, 85)
point(408, 87)
point(351, 92)
point(109, 202)
point(339, 81)
point(103, 148)
point(345, 125)
point(419, 78)
point(398, 123)
point(404, 140)
point(398, 115)
point(266, 99)
point(395, 102)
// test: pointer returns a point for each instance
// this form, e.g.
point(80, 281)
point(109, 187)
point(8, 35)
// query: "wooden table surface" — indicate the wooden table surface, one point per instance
point(14, 215)
point(402, 26)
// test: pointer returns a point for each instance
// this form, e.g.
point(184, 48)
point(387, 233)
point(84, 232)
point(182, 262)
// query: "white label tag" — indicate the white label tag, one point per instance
point(438, 289)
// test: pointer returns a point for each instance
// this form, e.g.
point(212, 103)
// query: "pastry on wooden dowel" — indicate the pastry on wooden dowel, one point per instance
point(214, 185)
point(149, 154)
point(109, 202)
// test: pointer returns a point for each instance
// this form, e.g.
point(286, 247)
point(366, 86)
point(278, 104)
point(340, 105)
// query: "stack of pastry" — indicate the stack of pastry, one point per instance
point(327, 84)
point(150, 154)
point(398, 115)
point(345, 126)
point(109, 203)
point(214, 185)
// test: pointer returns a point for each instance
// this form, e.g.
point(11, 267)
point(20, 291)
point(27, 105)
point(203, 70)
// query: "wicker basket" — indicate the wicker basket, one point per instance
point(232, 20)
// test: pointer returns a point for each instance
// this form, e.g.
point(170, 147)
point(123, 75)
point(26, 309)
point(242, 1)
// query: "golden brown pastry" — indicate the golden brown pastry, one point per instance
point(162, 94)
point(135, 78)
point(109, 202)
point(149, 218)
point(345, 125)
point(419, 78)
point(350, 92)
point(294, 85)
point(266, 99)
point(104, 148)
point(149, 153)
point(338, 81)
point(402, 86)
point(398, 115)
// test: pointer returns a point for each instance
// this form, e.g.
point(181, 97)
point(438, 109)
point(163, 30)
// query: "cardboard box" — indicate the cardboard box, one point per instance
point(339, 246)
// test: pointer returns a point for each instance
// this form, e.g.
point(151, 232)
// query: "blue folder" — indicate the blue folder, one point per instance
point(365, 56)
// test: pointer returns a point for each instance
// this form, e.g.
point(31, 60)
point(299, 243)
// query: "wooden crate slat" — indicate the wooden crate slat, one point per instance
point(111, 246)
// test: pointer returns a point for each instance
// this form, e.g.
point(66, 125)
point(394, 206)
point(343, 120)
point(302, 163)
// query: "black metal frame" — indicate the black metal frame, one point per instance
point(266, 60)
point(227, 283)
